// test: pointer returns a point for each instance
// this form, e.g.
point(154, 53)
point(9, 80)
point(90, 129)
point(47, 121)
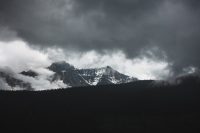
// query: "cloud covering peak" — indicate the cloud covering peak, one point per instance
point(169, 29)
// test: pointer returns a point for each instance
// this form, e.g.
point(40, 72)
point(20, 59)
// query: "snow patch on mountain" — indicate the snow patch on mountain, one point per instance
point(61, 75)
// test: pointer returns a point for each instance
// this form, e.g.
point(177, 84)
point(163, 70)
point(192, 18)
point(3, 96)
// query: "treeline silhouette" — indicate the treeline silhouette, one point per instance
point(135, 107)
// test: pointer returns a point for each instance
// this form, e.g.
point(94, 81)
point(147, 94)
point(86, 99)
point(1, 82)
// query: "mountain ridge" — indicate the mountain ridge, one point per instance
point(65, 75)
point(68, 75)
point(88, 76)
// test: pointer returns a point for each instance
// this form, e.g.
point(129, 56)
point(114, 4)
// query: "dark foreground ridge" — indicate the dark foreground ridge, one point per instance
point(126, 108)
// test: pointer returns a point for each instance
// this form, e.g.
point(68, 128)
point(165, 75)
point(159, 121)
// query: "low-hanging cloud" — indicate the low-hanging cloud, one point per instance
point(131, 26)
point(141, 67)
point(17, 56)
point(4, 85)
point(43, 81)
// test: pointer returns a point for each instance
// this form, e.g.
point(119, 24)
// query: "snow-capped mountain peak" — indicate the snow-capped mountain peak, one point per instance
point(67, 75)
point(104, 75)
point(84, 77)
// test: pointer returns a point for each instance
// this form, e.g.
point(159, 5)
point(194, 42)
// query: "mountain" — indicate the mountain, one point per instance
point(13, 82)
point(67, 74)
point(104, 75)
point(86, 77)
point(29, 73)
point(71, 76)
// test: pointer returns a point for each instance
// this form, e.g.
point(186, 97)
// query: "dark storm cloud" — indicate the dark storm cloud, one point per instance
point(131, 25)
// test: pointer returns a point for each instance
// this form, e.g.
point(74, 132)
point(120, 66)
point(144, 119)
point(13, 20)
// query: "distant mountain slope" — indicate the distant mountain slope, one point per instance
point(104, 75)
point(85, 77)
point(29, 73)
point(13, 82)
point(68, 74)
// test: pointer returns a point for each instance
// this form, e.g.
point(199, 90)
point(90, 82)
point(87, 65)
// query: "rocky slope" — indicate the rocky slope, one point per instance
point(69, 75)
point(85, 77)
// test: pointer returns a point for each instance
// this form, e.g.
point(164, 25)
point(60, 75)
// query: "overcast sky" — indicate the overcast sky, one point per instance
point(148, 39)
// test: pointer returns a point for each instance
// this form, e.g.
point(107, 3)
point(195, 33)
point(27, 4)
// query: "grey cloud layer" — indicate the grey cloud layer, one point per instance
point(130, 25)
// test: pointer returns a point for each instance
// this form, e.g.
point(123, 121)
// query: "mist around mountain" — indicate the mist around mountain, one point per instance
point(98, 100)
point(8, 82)
point(63, 75)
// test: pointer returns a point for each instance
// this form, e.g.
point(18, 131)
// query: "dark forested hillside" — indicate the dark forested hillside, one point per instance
point(126, 108)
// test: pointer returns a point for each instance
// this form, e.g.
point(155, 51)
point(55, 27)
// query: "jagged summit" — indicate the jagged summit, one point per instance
point(84, 77)
point(73, 77)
